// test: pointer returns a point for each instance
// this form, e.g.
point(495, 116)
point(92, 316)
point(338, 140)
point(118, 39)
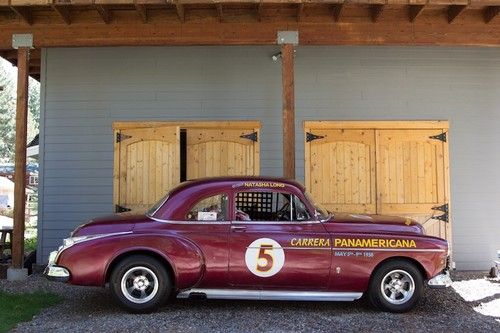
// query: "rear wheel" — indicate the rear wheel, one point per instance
point(140, 284)
point(397, 286)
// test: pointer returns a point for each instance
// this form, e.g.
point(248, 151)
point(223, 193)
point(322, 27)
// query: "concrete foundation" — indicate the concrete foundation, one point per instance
point(17, 274)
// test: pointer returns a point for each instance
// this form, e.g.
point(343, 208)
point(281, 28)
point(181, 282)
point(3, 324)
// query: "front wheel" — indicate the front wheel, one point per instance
point(397, 286)
point(140, 284)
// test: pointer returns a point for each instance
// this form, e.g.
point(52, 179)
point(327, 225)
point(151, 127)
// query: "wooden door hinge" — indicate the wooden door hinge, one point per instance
point(120, 137)
point(121, 209)
point(251, 136)
point(440, 137)
point(311, 137)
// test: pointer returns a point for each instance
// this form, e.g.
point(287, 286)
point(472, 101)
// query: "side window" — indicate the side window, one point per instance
point(263, 206)
point(300, 212)
point(213, 208)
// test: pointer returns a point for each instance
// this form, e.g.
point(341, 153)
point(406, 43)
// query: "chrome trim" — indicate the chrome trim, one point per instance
point(188, 222)
point(57, 273)
point(442, 280)
point(165, 198)
point(62, 248)
point(276, 222)
point(233, 222)
point(271, 295)
point(384, 249)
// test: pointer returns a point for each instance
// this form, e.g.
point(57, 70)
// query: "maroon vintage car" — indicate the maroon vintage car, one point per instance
point(251, 238)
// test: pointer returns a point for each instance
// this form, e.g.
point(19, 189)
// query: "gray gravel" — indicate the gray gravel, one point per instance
point(91, 309)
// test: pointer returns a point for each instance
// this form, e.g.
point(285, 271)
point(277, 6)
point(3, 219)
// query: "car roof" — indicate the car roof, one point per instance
point(218, 182)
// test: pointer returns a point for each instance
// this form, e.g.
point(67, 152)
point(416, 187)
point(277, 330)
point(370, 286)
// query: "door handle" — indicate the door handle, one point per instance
point(238, 228)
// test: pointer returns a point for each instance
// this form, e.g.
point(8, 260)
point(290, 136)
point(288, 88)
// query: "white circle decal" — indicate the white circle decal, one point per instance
point(265, 257)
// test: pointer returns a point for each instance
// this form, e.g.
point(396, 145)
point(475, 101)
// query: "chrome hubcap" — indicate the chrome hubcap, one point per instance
point(139, 284)
point(397, 287)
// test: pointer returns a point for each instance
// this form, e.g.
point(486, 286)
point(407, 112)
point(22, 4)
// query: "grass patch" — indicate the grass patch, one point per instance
point(16, 308)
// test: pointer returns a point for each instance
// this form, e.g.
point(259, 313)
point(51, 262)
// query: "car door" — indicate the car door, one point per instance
point(276, 244)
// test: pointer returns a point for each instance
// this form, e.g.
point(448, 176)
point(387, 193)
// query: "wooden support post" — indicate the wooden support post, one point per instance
point(20, 158)
point(287, 51)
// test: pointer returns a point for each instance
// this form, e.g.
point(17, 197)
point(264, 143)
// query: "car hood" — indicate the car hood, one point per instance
point(122, 222)
point(364, 223)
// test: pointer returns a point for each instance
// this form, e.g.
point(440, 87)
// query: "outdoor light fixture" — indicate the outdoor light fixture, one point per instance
point(276, 56)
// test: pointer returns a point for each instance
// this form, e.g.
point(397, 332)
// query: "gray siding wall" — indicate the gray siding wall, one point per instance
point(86, 89)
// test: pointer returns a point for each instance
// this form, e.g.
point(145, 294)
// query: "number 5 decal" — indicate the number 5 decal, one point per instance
point(265, 257)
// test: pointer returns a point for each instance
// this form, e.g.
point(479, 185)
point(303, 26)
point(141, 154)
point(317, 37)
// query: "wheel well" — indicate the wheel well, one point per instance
point(151, 254)
point(410, 260)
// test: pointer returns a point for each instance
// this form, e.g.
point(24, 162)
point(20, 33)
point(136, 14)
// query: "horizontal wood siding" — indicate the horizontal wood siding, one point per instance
point(87, 89)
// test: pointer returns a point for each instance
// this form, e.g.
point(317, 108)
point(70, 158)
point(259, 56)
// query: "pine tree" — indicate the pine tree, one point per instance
point(8, 111)
point(7, 114)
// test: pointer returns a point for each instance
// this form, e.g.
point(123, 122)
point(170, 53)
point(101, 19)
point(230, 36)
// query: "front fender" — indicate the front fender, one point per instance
point(88, 262)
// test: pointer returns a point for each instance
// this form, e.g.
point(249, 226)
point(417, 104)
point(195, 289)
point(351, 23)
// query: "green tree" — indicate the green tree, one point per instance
point(8, 110)
point(7, 113)
point(33, 108)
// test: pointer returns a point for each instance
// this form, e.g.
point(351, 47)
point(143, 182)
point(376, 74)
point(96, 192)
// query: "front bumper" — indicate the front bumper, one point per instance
point(54, 272)
point(442, 280)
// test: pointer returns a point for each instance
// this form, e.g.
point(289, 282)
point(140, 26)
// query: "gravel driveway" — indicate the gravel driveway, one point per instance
point(91, 309)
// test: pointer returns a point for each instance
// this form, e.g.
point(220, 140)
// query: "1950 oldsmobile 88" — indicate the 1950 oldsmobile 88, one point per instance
point(251, 238)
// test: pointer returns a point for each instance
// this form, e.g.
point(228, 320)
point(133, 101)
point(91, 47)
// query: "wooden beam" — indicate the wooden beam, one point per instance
point(454, 11)
point(376, 11)
point(181, 14)
point(414, 11)
point(337, 11)
point(63, 12)
point(129, 31)
point(300, 11)
point(24, 13)
point(220, 13)
point(10, 55)
point(142, 11)
point(490, 13)
point(260, 10)
point(20, 157)
point(103, 13)
point(288, 96)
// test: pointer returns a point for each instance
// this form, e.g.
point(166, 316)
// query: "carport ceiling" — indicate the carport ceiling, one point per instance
point(61, 23)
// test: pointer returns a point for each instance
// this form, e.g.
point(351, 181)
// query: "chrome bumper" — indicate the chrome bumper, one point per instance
point(55, 273)
point(442, 280)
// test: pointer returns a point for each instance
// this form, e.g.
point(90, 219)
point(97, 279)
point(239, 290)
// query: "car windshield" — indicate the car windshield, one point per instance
point(320, 212)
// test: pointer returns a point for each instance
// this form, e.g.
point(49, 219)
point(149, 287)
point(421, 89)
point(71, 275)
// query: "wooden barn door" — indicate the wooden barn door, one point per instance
point(341, 172)
point(222, 152)
point(148, 162)
point(372, 168)
point(412, 173)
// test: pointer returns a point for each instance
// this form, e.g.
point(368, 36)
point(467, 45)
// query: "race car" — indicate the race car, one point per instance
point(252, 238)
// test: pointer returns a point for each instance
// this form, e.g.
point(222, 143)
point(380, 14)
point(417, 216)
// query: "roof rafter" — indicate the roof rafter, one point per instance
point(104, 13)
point(220, 13)
point(300, 11)
point(454, 11)
point(63, 12)
point(181, 13)
point(337, 11)
point(376, 12)
point(260, 9)
point(490, 13)
point(414, 11)
point(24, 12)
point(142, 11)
